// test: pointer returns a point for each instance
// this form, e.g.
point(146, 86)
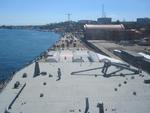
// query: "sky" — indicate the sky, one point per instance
point(35, 12)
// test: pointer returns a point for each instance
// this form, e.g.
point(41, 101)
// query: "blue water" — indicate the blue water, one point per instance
point(18, 47)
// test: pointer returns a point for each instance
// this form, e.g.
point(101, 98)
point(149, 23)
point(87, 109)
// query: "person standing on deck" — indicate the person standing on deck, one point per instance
point(59, 74)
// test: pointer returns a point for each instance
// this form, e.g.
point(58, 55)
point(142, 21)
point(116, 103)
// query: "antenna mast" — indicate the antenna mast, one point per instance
point(103, 12)
point(69, 16)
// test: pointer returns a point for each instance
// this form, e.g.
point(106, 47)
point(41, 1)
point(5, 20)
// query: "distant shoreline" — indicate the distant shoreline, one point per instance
point(40, 30)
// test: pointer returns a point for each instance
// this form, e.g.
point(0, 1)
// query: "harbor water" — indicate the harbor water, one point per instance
point(19, 47)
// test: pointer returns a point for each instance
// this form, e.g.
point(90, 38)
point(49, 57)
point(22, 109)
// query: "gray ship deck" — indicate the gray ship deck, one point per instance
point(50, 93)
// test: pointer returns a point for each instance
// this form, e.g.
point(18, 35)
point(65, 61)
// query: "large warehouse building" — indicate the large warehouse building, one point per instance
point(107, 32)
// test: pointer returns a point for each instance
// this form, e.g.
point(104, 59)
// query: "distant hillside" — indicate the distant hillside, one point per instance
point(56, 27)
